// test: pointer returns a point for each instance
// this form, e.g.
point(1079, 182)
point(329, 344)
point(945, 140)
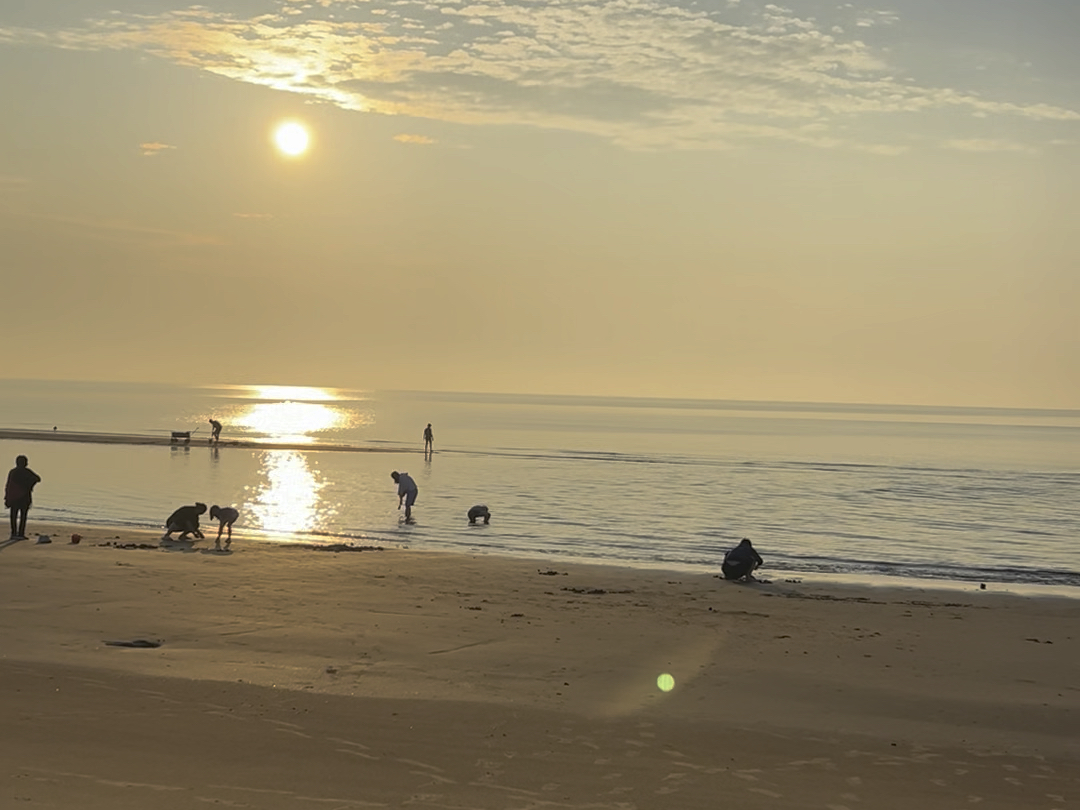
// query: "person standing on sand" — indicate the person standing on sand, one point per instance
point(227, 515)
point(406, 490)
point(17, 495)
point(740, 562)
point(429, 440)
point(215, 431)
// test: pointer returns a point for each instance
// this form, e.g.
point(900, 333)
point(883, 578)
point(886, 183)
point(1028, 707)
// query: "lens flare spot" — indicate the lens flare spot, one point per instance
point(665, 683)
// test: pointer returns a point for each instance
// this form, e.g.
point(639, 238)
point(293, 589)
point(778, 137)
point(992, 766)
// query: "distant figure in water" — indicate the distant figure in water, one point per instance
point(227, 515)
point(429, 440)
point(17, 495)
point(186, 521)
point(479, 511)
point(406, 490)
point(740, 562)
point(215, 430)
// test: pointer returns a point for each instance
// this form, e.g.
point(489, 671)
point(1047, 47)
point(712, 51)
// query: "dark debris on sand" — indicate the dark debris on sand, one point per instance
point(138, 643)
point(335, 547)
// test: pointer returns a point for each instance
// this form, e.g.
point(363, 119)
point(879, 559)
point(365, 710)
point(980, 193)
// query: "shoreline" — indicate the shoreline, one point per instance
point(438, 679)
point(838, 580)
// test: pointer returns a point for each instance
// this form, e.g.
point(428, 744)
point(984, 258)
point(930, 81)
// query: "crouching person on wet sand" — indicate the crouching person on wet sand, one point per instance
point(740, 562)
point(479, 511)
point(186, 521)
point(227, 515)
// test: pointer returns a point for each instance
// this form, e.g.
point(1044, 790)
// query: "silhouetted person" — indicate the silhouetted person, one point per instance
point(227, 515)
point(215, 430)
point(740, 562)
point(429, 440)
point(17, 495)
point(479, 511)
point(186, 521)
point(406, 490)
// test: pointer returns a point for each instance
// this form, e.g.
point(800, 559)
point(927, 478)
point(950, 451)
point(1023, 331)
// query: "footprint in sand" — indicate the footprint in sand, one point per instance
point(360, 754)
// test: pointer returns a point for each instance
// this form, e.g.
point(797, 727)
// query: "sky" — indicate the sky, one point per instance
point(725, 199)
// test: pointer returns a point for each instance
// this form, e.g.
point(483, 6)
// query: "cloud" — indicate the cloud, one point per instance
point(985, 145)
point(889, 150)
point(643, 73)
point(13, 182)
point(154, 148)
point(875, 18)
point(253, 216)
point(419, 139)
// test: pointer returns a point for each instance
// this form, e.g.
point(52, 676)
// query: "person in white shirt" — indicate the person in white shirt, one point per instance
point(406, 490)
point(227, 515)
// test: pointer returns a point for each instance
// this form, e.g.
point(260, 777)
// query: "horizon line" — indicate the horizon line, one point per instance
point(813, 404)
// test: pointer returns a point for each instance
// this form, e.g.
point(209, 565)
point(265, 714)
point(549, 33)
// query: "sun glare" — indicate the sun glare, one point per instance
point(291, 138)
point(291, 421)
point(301, 393)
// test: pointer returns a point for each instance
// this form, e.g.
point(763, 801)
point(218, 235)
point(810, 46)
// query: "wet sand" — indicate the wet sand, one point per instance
point(196, 439)
point(293, 677)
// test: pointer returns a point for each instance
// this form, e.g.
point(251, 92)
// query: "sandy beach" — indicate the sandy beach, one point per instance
point(288, 677)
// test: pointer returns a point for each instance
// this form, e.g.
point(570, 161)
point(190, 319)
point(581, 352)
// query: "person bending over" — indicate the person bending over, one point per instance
point(406, 490)
point(186, 521)
point(227, 517)
point(740, 562)
point(17, 495)
point(479, 511)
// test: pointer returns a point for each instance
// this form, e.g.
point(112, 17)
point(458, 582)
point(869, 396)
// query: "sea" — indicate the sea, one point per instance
point(914, 494)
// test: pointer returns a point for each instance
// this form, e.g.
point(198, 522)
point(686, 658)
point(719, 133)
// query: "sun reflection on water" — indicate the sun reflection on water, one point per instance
point(288, 501)
point(292, 413)
point(291, 421)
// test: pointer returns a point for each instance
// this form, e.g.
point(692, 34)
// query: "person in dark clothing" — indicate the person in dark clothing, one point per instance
point(479, 511)
point(215, 431)
point(429, 440)
point(227, 517)
point(186, 521)
point(740, 562)
point(17, 495)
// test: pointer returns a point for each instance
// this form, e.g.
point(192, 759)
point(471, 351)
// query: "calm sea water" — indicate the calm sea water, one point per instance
point(990, 495)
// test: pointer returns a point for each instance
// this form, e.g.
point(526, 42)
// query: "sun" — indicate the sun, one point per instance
point(291, 138)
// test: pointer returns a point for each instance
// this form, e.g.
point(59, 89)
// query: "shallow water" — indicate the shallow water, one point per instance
point(989, 495)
